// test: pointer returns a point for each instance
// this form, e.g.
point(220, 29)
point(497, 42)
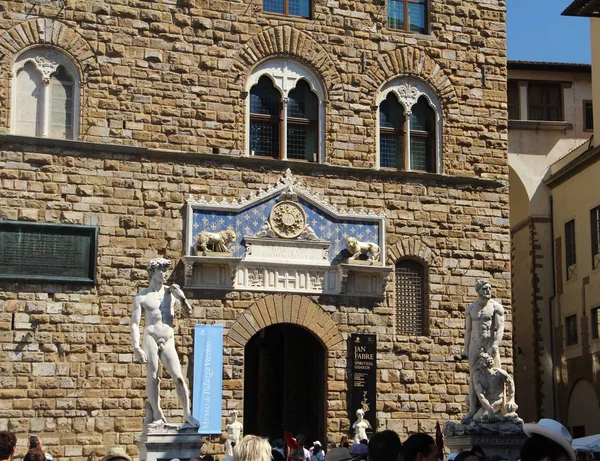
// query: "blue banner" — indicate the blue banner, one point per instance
point(208, 377)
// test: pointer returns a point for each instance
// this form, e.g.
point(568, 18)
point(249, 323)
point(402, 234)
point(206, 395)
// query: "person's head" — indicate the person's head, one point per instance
point(385, 446)
point(35, 454)
point(548, 441)
point(116, 454)
point(208, 458)
point(466, 456)
point(485, 361)
point(420, 447)
point(483, 288)
point(158, 265)
point(252, 448)
point(317, 447)
point(301, 440)
point(477, 449)
point(344, 441)
point(8, 440)
point(338, 454)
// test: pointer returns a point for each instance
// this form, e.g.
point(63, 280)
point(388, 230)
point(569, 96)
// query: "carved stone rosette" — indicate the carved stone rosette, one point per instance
point(287, 219)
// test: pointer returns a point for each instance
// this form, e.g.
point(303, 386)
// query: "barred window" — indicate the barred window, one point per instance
point(288, 7)
point(285, 112)
point(411, 318)
point(265, 109)
point(409, 127)
point(595, 323)
point(407, 15)
point(45, 97)
point(391, 138)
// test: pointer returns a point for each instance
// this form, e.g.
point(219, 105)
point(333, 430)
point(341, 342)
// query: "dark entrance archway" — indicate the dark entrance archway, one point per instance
point(284, 383)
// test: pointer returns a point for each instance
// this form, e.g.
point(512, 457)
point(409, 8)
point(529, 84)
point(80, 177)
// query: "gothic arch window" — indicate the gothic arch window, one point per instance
point(410, 126)
point(45, 95)
point(285, 112)
point(411, 298)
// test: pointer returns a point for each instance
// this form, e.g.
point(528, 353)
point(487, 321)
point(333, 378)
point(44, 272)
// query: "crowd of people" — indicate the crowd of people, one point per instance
point(548, 440)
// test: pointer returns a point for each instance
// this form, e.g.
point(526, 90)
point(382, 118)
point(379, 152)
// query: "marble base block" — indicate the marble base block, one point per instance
point(504, 439)
point(170, 441)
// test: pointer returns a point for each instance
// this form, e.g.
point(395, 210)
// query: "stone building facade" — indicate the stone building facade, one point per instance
point(160, 99)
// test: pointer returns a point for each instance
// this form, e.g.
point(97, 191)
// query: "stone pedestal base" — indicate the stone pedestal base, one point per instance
point(169, 441)
point(503, 439)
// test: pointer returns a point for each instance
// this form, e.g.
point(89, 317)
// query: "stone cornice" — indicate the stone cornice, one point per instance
point(18, 143)
point(575, 166)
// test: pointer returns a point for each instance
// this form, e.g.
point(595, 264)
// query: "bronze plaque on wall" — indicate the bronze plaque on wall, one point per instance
point(363, 348)
point(48, 252)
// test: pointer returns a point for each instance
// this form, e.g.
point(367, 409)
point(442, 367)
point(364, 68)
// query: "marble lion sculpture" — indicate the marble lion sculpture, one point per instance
point(357, 248)
point(214, 241)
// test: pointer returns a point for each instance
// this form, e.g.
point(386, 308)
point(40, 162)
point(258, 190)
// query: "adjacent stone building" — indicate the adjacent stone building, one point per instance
point(127, 115)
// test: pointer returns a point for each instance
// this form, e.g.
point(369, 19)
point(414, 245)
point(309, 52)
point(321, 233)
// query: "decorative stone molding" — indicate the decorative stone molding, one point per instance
point(410, 247)
point(411, 61)
point(295, 309)
point(50, 33)
point(46, 62)
point(285, 41)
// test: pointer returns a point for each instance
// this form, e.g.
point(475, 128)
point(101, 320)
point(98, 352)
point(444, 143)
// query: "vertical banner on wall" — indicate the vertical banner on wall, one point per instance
point(208, 377)
point(363, 348)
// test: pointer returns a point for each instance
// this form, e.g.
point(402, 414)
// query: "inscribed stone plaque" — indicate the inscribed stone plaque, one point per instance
point(48, 252)
point(363, 350)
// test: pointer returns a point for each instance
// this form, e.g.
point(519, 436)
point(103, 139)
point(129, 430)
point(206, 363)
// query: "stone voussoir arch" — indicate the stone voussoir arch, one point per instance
point(411, 61)
point(293, 309)
point(49, 32)
point(286, 41)
point(410, 248)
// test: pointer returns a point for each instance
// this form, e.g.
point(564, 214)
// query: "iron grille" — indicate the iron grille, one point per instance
point(410, 298)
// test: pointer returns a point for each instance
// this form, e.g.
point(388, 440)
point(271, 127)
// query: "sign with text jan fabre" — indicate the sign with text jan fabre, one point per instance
point(208, 377)
point(48, 252)
point(363, 350)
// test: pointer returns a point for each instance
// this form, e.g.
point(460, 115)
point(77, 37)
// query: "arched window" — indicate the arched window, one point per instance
point(410, 127)
point(285, 112)
point(45, 95)
point(411, 298)
point(265, 113)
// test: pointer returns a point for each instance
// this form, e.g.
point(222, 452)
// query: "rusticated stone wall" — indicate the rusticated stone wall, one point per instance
point(66, 359)
point(162, 99)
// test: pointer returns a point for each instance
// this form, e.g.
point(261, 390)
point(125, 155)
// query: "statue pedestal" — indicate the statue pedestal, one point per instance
point(504, 438)
point(168, 441)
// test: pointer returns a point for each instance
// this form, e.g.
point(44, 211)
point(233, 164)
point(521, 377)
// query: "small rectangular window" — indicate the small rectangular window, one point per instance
point(571, 330)
point(411, 318)
point(544, 101)
point(595, 227)
point(595, 324)
point(513, 100)
point(588, 116)
point(570, 254)
point(300, 8)
point(408, 15)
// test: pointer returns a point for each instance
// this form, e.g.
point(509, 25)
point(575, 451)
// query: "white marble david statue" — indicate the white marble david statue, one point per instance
point(360, 426)
point(491, 389)
point(157, 303)
point(234, 433)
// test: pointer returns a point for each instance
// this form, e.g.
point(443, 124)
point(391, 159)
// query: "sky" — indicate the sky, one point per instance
point(537, 32)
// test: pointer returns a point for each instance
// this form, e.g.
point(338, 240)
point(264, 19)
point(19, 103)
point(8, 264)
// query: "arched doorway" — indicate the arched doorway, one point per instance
point(284, 383)
point(584, 411)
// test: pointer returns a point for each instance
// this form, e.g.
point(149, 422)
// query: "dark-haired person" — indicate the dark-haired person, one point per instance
point(548, 441)
point(478, 451)
point(385, 446)
point(35, 454)
point(419, 447)
point(467, 456)
point(8, 441)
